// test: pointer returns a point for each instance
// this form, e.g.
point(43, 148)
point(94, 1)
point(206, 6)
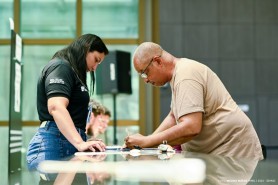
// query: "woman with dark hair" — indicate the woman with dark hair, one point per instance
point(62, 102)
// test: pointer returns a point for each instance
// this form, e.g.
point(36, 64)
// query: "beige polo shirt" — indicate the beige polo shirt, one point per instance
point(226, 130)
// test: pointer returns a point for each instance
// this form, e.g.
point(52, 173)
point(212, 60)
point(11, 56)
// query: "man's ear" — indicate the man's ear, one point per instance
point(157, 59)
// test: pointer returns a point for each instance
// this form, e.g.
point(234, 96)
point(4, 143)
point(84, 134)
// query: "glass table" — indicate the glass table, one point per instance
point(151, 166)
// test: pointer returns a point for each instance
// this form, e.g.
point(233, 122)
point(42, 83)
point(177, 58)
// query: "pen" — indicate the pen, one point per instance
point(137, 147)
point(127, 132)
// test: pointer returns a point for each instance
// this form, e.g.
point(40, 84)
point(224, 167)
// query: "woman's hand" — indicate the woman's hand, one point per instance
point(94, 146)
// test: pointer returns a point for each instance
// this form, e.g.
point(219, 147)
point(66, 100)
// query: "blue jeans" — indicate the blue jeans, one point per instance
point(50, 144)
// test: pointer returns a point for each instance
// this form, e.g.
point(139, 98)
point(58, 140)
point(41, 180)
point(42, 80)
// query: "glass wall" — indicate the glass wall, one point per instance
point(47, 26)
point(48, 19)
point(111, 18)
point(6, 12)
point(4, 82)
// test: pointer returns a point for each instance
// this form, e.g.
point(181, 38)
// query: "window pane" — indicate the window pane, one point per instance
point(110, 18)
point(127, 105)
point(48, 19)
point(6, 11)
point(34, 58)
point(4, 82)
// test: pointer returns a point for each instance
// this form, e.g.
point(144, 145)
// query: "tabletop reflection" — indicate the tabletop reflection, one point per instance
point(171, 168)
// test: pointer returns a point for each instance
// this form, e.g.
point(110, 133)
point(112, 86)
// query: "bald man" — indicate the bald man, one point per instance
point(203, 117)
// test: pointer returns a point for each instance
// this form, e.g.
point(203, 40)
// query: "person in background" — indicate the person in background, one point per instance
point(203, 116)
point(104, 125)
point(62, 101)
point(98, 119)
point(105, 119)
point(94, 127)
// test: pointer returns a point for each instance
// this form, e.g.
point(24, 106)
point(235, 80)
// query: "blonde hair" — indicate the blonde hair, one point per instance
point(97, 108)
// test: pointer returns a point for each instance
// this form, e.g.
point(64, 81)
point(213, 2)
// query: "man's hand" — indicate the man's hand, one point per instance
point(136, 141)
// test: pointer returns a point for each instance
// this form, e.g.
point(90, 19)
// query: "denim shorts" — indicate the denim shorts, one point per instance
point(50, 144)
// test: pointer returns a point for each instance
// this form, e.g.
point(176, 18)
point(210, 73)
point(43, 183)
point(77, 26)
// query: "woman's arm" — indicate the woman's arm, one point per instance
point(57, 107)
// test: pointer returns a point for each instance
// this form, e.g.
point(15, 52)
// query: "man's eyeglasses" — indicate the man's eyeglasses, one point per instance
point(143, 74)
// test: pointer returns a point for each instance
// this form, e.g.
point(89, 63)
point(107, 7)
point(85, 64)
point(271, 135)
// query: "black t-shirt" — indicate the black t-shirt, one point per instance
point(59, 80)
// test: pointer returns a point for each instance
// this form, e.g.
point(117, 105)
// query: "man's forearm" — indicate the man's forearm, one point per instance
point(176, 135)
point(168, 122)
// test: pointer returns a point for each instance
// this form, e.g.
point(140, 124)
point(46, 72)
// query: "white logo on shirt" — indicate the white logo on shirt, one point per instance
point(83, 88)
point(56, 81)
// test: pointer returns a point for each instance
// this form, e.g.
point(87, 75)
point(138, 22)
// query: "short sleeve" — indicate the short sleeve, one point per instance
point(59, 81)
point(189, 95)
